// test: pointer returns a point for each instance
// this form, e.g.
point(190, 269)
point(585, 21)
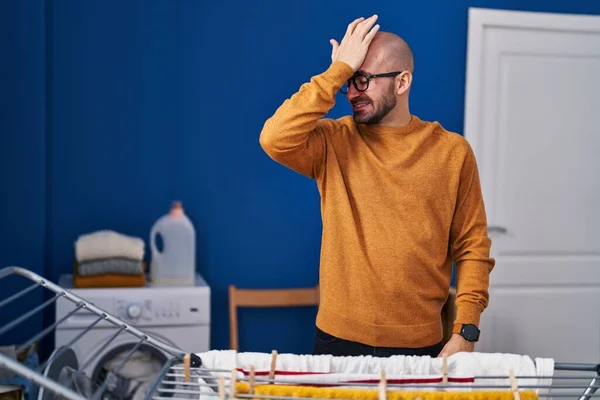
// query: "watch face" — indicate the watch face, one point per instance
point(470, 332)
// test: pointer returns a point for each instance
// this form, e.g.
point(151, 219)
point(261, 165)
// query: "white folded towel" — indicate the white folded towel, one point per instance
point(108, 244)
point(464, 369)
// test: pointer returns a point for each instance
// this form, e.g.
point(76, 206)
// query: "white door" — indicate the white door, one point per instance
point(533, 119)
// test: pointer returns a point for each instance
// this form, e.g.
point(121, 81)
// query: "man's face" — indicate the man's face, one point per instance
point(372, 105)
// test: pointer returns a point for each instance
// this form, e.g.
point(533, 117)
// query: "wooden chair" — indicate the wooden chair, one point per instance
point(304, 297)
point(266, 298)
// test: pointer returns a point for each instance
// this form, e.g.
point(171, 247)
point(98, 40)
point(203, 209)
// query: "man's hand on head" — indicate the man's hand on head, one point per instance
point(354, 46)
point(456, 344)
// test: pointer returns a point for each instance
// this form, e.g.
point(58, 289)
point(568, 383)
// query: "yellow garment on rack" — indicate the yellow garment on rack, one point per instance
point(367, 394)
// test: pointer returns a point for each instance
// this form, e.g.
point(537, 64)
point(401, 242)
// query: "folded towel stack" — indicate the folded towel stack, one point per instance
point(109, 259)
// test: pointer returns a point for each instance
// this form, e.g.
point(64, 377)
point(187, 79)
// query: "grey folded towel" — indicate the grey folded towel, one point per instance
point(105, 266)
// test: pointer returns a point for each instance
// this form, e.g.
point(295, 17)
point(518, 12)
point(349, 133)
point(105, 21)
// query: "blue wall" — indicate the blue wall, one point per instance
point(23, 160)
point(112, 109)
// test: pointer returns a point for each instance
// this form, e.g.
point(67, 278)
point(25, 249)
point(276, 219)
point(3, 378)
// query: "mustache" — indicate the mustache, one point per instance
point(360, 100)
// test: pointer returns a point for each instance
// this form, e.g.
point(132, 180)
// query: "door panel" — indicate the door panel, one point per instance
point(532, 84)
point(517, 323)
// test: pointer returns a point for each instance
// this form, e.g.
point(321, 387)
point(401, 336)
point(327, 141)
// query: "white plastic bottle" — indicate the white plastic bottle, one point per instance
point(175, 265)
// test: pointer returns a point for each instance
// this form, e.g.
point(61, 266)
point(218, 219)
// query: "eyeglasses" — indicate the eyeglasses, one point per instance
point(361, 81)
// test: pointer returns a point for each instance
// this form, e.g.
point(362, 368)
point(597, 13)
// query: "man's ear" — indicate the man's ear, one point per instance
point(404, 81)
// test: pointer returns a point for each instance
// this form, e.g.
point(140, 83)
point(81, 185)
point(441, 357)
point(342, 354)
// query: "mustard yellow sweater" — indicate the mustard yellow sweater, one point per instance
point(399, 204)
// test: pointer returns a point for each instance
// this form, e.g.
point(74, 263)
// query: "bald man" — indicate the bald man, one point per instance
point(401, 204)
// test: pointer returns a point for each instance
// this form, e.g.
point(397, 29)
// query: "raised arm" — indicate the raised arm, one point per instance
point(295, 135)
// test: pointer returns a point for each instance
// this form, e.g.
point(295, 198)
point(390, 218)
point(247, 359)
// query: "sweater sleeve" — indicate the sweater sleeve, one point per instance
point(470, 247)
point(295, 135)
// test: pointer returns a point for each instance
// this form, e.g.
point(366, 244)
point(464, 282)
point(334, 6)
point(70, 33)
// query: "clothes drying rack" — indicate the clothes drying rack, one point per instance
point(184, 376)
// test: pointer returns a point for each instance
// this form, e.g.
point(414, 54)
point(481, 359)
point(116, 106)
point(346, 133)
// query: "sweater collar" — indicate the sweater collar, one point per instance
point(415, 124)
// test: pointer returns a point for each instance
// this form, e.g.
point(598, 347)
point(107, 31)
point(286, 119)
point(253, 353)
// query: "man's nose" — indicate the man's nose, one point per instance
point(352, 92)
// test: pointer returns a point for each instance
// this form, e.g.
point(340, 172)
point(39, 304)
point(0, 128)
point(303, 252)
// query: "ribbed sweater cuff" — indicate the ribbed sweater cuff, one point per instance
point(340, 71)
point(466, 313)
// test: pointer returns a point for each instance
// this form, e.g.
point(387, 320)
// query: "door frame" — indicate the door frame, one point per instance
point(479, 20)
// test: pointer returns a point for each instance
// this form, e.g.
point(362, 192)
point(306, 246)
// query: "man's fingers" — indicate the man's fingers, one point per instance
point(366, 25)
point(369, 37)
point(352, 25)
point(444, 351)
point(351, 49)
point(334, 47)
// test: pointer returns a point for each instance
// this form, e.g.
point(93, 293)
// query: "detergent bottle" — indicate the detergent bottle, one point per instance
point(175, 265)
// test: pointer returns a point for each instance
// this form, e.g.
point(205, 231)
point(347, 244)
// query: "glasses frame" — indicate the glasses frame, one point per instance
point(368, 77)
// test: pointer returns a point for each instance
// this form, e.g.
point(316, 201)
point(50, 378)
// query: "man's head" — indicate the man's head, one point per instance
point(387, 95)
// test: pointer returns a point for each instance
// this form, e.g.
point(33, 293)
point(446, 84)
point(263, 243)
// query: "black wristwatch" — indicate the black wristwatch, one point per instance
point(470, 332)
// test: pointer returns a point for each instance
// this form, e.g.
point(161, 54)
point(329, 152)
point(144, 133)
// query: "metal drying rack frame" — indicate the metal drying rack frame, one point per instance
point(48, 387)
point(183, 376)
point(180, 382)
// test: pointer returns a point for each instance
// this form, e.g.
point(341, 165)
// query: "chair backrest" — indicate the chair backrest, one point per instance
point(298, 297)
point(304, 297)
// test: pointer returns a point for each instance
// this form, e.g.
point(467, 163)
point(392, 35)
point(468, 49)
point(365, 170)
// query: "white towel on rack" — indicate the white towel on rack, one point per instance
point(106, 244)
point(464, 369)
point(293, 363)
point(544, 368)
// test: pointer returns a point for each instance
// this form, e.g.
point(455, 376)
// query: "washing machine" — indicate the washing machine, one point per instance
point(179, 316)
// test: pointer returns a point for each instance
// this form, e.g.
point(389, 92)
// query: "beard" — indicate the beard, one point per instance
point(372, 112)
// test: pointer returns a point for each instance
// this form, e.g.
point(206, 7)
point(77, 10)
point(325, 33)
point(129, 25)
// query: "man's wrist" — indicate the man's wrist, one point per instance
point(466, 313)
point(342, 68)
point(338, 73)
point(469, 332)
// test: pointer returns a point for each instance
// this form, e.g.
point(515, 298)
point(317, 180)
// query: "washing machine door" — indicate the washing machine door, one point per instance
point(129, 375)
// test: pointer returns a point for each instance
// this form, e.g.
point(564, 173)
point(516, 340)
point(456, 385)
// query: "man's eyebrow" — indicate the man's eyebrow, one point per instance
point(363, 72)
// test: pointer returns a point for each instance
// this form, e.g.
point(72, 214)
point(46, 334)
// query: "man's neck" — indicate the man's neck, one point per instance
point(400, 116)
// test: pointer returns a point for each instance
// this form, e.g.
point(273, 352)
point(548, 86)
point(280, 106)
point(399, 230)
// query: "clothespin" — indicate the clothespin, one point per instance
point(513, 385)
point(233, 383)
point(234, 377)
point(445, 370)
point(186, 367)
point(273, 364)
point(221, 387)
point(382, 386)
point(251, 380)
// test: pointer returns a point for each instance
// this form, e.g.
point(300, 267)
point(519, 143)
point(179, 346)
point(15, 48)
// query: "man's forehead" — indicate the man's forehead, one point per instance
point(372, 64)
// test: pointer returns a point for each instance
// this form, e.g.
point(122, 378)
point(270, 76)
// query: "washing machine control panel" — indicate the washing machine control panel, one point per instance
point(167, 310)
point(156, 310)
point(149, 310)
point(152, 306)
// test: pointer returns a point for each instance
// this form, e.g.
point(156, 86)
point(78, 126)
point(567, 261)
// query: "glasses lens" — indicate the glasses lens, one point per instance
point(361, 82)
point(344, 88)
